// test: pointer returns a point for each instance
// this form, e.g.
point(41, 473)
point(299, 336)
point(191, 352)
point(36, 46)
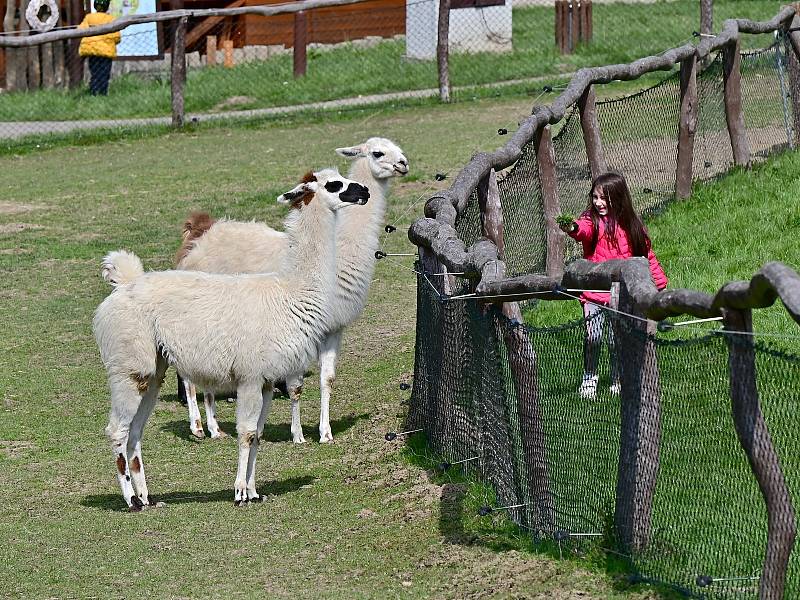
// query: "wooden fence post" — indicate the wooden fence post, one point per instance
point(178, 72)
point(755, 439)
point(443, 50)
point(706, 16)
point(523, 366)
point(211, 50)
point(227, 53)
point(734, 116)
point(546, 162)
point(686, 127)
point(299, 47)
point(591, 132)
point(793, 68)
point(640, 426)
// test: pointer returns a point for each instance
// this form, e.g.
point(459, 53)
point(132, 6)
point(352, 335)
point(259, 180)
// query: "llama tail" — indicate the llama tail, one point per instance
point(195, 226)
point(120, 267)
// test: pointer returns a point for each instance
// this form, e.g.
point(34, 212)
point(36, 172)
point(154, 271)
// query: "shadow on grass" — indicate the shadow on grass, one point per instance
point(273, 432)
point(459, 524)
point(114, 502)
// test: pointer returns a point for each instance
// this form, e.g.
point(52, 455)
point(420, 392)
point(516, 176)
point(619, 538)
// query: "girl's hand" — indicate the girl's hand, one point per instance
point(566, 223)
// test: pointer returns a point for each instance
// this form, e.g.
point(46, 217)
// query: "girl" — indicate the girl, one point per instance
point(609, 228)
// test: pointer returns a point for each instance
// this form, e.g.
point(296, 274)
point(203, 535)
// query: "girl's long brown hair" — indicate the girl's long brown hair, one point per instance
point(620, 213)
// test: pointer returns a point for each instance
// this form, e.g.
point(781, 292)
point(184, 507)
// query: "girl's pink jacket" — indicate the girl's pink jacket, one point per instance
point(607, 249)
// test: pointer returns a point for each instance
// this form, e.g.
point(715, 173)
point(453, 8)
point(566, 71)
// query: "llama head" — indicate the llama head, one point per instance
point(326, 186)
point(385, 158)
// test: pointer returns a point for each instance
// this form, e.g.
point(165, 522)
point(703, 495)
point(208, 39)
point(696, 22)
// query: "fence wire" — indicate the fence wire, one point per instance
point(506, 399)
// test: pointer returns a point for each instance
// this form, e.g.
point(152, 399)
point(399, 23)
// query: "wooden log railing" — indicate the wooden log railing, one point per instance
point(435, 234)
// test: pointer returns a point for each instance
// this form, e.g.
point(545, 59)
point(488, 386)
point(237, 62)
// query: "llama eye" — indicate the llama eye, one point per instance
point(377, 154)
point(334, 186)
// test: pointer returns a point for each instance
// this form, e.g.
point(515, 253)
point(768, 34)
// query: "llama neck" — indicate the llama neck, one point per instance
point(312, 237)
point(360, 226)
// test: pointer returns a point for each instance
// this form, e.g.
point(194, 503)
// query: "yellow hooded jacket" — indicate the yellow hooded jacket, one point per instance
point(99, 45)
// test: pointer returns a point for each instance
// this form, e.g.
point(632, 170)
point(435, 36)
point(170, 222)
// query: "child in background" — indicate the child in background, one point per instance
point(100, 49)
point(609, 228)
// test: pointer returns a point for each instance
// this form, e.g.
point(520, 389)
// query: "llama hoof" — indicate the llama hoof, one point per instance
point(136, 504)
point(219, 435)
point(326, 438)
point(298, 438)
point(198, 435)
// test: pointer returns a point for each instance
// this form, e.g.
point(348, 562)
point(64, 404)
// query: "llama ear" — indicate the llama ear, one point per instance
point(298, 192)
point(351, 151)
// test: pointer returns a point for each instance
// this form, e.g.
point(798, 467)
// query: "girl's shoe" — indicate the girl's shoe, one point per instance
point(588, 389)
point(615, 388)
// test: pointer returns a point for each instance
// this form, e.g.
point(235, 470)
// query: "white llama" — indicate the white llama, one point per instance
point(227, 332)
point(247, 247)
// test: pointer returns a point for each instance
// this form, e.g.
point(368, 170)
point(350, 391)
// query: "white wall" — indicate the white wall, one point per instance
point(471, 29)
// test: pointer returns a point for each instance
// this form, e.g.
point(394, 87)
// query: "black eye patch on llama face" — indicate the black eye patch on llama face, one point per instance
point(355, 192)
point(334, 186)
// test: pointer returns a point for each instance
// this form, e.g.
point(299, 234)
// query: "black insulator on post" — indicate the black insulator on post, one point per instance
point(557, 288)
point(547, 89)
point(379, 255)
point(560, 535)
point(441, 177)
point(695, 34)
point(390, 228)
point(704, 580)
point(443, 466)
point(502, 131)
point(405, 386)
point(485, 510)
point(391, 436)
point(707, 164)
point(664, 326)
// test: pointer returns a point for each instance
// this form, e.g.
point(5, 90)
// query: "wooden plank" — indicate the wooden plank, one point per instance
point(207, 24)
point(734, 115)
point(211, 50)
point(687, 127)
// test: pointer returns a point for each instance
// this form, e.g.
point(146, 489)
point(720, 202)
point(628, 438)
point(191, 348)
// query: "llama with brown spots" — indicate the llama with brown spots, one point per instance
point(250, 247)
point(228, 332)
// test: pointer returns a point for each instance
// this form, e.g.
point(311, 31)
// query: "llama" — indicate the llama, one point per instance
point(227, 332)
point(244, 247)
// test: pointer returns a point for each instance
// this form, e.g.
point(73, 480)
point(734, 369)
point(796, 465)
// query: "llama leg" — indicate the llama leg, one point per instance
point(327, 375)
point(294, 384)
point(266, 405)
point(249, 405)
point(211, 416)
point(134, 446)
point(195, 422)
point(125, 401)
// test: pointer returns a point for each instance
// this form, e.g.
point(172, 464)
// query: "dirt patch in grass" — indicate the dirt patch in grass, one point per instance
point(18, 227)
point(13, 208)
point(16, 448)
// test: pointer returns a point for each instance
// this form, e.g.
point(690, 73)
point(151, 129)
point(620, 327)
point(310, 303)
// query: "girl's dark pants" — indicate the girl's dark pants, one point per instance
point(100, 71)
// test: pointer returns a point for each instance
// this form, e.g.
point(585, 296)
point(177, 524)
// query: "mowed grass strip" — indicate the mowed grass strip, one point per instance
point(353, 519)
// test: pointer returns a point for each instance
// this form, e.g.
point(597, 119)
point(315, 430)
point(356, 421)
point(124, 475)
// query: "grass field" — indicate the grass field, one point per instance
point(621, 33)
point(352, 519)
